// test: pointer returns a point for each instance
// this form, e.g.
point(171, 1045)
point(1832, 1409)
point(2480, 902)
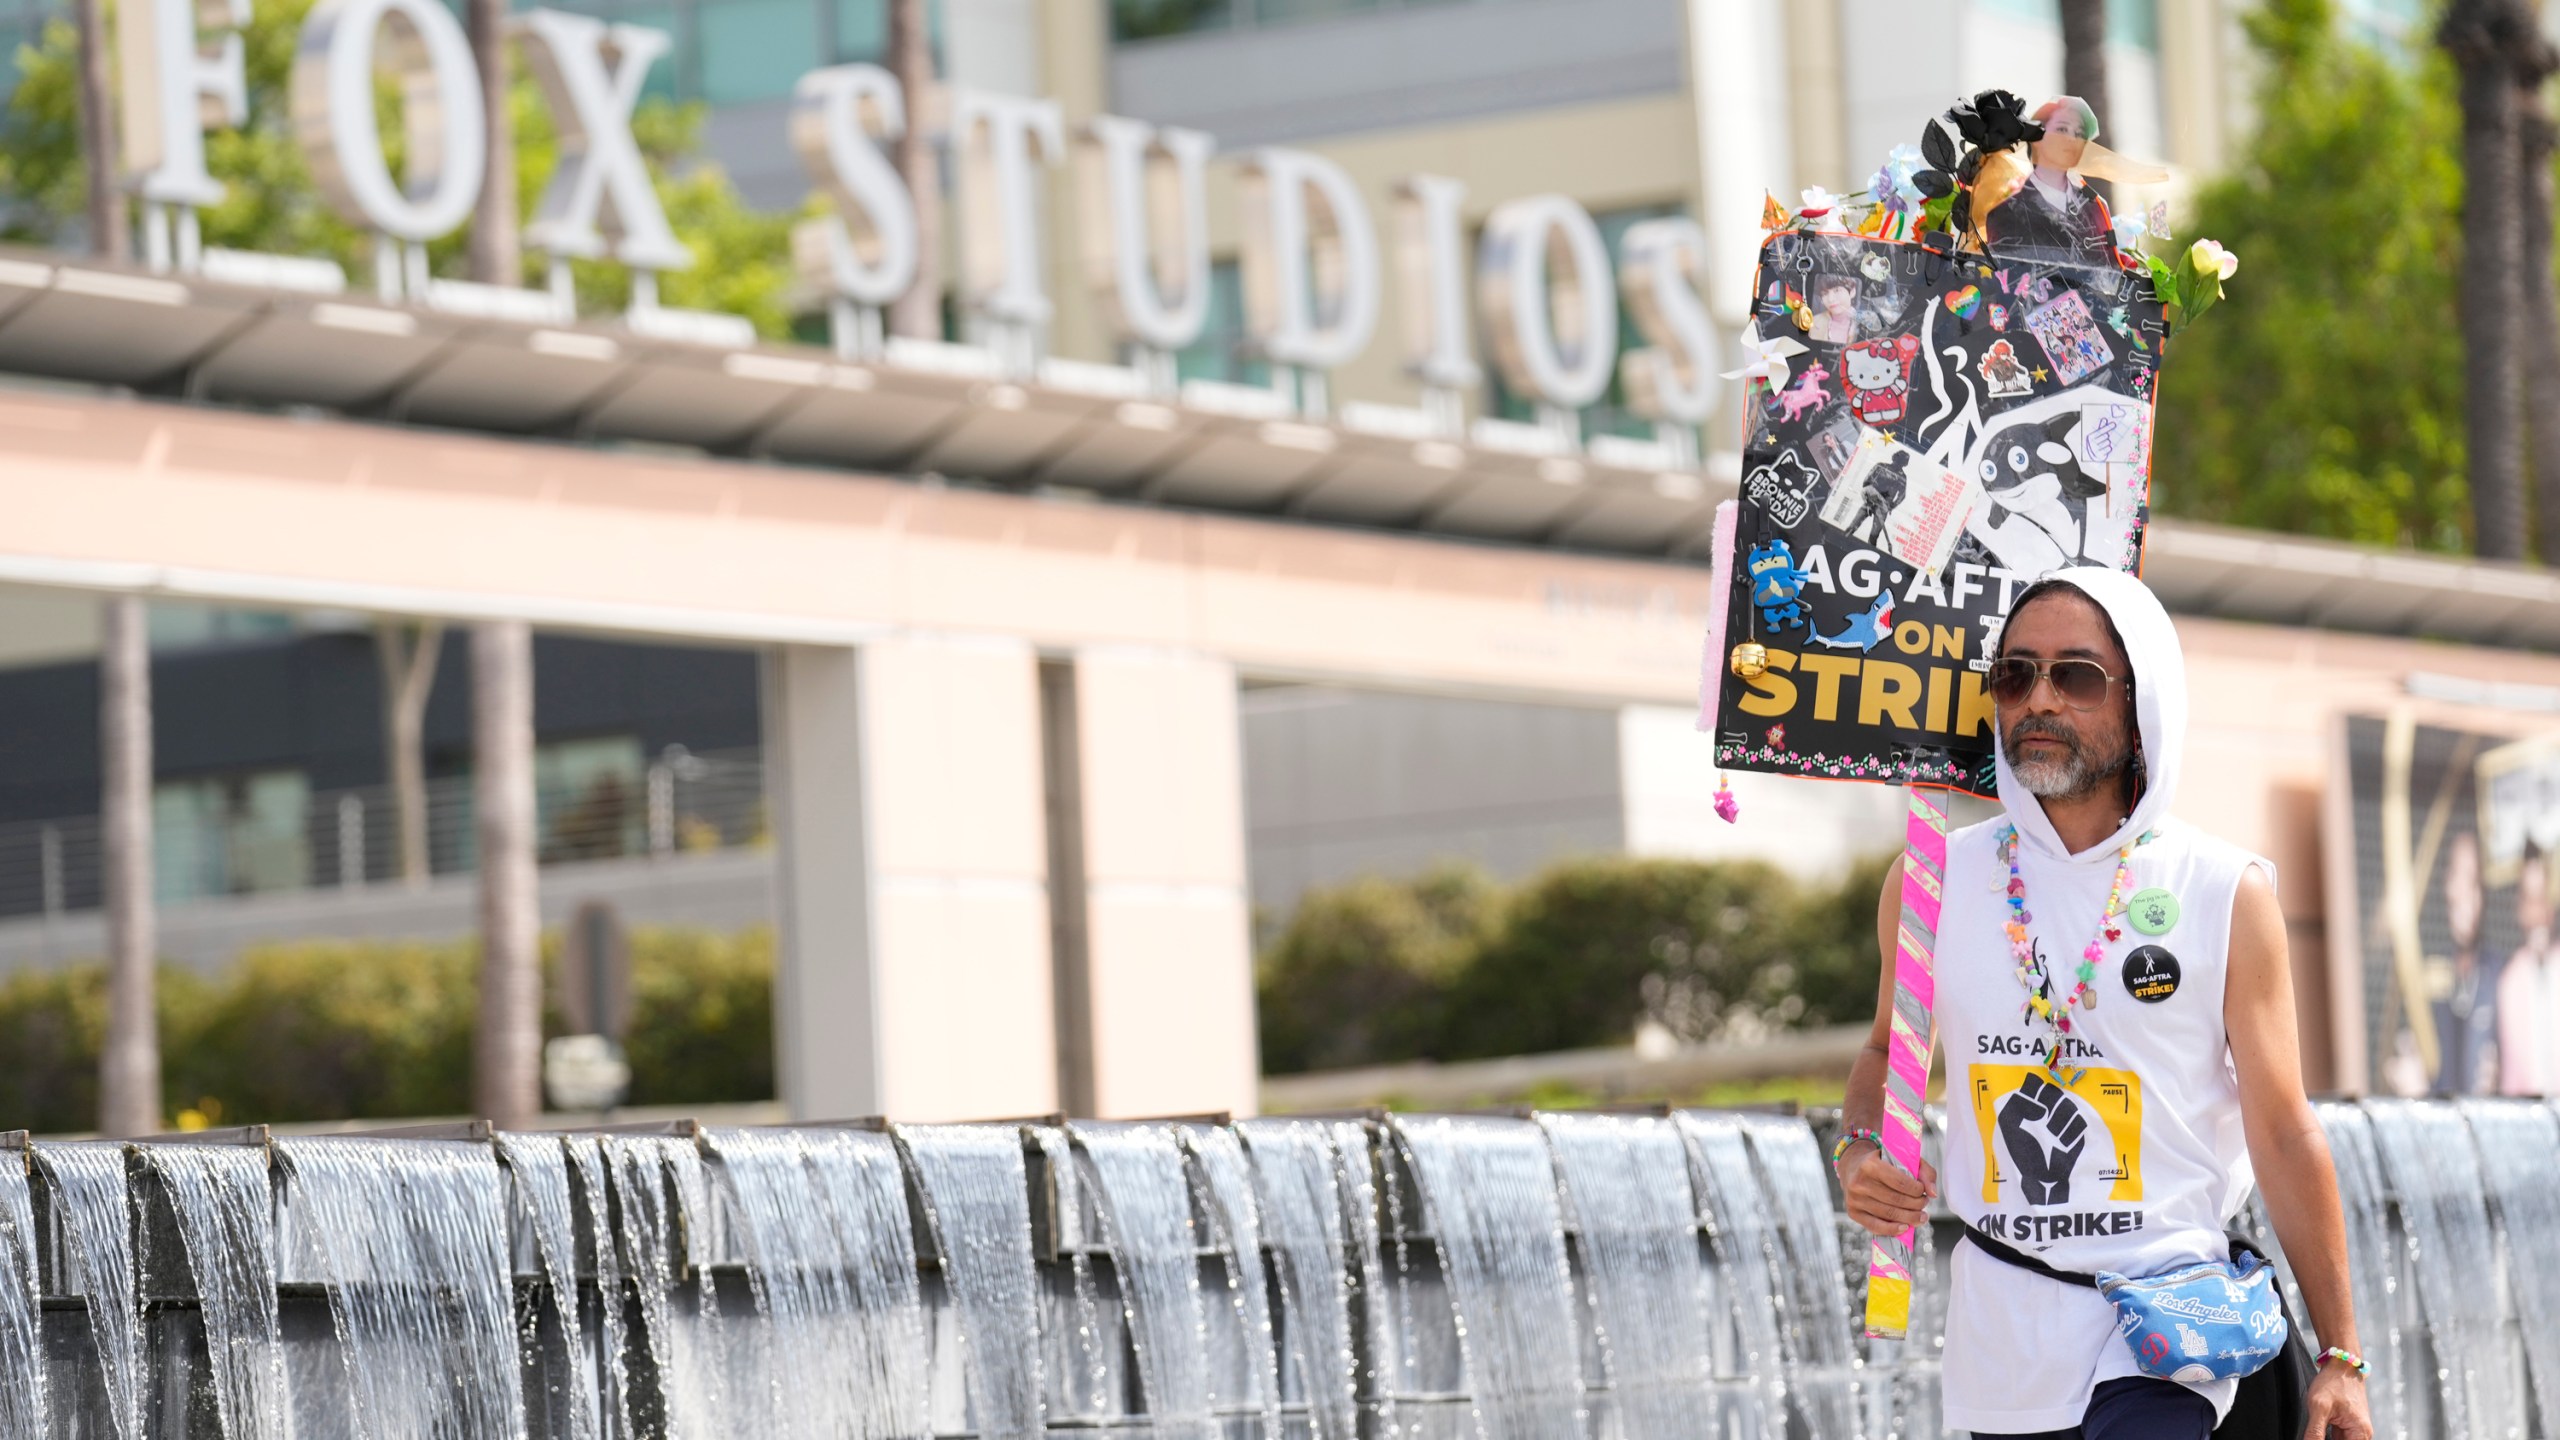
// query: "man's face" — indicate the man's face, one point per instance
point(1837, 298)
point(2057, 752)
point(2064, 140)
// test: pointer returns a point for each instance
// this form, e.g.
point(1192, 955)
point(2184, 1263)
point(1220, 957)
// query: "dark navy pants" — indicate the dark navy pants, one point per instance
point(2135, 1408)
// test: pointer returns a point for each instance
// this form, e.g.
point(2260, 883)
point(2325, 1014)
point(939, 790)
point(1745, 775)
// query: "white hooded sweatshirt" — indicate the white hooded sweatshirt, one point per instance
point(2138, 1163)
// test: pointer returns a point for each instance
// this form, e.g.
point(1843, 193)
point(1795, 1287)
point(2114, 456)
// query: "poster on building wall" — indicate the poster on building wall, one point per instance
point(2449, 916)
point(1951, 428)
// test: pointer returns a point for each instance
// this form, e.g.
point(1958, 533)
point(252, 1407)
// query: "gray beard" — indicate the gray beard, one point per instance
point(2071, 777)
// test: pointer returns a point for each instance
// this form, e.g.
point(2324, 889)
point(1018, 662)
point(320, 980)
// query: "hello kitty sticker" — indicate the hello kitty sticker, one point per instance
point(1876, 377)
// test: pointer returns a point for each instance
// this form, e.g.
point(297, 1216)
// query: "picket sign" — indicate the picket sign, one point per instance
point(1915, 990)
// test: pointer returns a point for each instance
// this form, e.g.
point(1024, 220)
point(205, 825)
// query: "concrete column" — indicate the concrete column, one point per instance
point(1168, 962)
point(129, 1062)
point(905, 779)
point(506, 1082)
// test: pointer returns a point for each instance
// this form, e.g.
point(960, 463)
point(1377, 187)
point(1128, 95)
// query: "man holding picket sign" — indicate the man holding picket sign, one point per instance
point(2110, 987)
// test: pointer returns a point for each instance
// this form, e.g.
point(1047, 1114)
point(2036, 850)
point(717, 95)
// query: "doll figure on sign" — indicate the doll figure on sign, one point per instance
point(2040, 206)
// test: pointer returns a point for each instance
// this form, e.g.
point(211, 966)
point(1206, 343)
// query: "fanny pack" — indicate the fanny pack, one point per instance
point(2211, 1320)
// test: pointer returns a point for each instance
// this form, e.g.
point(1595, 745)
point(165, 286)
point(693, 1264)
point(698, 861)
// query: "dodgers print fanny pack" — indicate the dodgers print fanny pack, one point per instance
point(2212, 1320)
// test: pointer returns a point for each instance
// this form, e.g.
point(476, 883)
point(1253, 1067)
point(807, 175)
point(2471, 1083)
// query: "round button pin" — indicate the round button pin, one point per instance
point(2152, 911)
point(2151, 974)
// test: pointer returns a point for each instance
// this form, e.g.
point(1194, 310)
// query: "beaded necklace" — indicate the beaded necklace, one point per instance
point(2031, 970)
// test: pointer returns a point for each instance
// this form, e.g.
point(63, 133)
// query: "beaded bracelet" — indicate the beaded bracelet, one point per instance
point(1848, 1138)
point(2354, 1361)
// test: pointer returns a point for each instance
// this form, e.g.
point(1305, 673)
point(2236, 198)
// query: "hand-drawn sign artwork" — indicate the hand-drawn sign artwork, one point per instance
point(1994, 427)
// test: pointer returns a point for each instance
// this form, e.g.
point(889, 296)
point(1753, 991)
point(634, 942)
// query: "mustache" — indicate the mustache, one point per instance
point(2043, 725)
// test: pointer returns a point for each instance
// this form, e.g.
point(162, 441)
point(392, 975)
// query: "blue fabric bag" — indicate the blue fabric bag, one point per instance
point(2213, 1320)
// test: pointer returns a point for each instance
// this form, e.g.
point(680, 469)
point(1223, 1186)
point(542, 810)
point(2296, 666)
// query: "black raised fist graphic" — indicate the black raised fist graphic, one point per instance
point(2045, 1132)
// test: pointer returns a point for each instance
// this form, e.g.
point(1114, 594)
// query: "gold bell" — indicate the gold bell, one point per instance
point(1750, 659)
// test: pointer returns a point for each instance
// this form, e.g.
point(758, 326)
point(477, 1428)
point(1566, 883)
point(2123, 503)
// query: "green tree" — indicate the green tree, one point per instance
point(2325, 395)
point(742, 256)
point(1362, 973)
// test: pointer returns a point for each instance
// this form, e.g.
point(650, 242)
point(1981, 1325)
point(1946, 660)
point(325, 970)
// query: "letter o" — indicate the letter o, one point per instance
point(1911, 637)
point(333, 116)
point(1554, 334)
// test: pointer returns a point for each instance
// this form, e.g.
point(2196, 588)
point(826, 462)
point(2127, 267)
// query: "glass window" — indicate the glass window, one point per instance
point(231, 835)
point(1155, 19)
point(177, 624)
point(1224, 350)
point(1610, 416)
point(1287, 12)
point(591, 798)
point(753, 49)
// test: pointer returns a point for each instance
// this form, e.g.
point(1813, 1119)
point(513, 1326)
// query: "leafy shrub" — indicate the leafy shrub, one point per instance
point(329, 1030)
point(1378, 971)
point(1362, 971)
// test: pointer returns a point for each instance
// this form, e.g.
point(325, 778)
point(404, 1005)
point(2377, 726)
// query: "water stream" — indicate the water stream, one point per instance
point(1137, 1173)
point(224, 1207)
point(1815, 1329)
point(22, 1406)
point(92, 1212)
point(411, 1238)
point(1628, 1198)
point(831, 1255)
point(1747, 1257)
point(1298, 1176)
point(586, 1155)
point(1223, 1191)
point(1489, 1193)
point(977, 1208)
point(540, 1167)
point(2428, 1157)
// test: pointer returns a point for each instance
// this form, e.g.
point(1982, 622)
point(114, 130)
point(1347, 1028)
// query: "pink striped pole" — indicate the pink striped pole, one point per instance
point(1906, 1086)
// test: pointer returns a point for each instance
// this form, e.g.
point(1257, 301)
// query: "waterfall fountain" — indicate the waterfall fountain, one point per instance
point(1615, 1276)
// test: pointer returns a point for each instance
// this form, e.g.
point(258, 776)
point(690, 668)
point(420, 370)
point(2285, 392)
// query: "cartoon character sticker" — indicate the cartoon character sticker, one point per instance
point(1782, 489)
point(1777, 584)
point(1876, 377)
point(1808, 393)
point(2002, 376)
point(2070, 335)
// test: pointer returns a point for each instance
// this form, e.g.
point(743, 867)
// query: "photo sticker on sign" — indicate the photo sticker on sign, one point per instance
point(1902, 502)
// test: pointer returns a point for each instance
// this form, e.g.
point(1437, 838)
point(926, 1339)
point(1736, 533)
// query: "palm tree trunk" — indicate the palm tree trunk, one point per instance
point(2084, 63)
point(494, 255)
point(108, 235)
point(506, 1082)
point(918, 313)
point(408, 655)
point(129, 1062)
point(2535, 138)
point(2479, 35)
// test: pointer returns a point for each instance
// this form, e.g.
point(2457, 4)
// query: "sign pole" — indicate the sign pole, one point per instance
point(1915, 954)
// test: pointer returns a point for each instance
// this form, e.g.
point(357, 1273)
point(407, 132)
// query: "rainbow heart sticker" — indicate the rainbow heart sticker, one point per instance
point(1965, 301)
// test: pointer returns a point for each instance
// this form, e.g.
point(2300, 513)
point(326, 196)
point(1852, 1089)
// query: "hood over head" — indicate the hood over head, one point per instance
point(2160, 711)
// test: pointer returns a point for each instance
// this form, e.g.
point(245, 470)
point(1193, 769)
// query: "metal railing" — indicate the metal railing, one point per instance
point(681, 803)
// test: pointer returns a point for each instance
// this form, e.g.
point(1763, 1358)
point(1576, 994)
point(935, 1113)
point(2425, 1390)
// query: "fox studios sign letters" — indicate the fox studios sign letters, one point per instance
point(1545, 288)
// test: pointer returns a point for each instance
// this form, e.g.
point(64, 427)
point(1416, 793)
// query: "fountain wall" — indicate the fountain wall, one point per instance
point(1616, 1275)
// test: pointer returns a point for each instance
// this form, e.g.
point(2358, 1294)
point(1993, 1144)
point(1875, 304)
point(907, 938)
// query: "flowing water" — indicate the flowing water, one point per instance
point(977, 1208)
point(1747, 1254)
point(411, 1237)
point(2434, 1171)
point(1082, 1338)
point(1298, 1176)
point(1489, 1192)
point(831, 1255)
point(2518, 1141)
point(22, 1405)
point(1223, 1191)
point(586, 1155)
point(1137, 1173)
point(1815, 1328)
point(661, 1194)
point(540, 1166)
point(1627, 1193)
point(92, 1213)
point(2374, 1268)
point(224, 1205)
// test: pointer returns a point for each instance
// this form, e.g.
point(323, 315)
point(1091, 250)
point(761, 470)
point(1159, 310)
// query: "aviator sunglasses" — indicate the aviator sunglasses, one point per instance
point(2082, 684)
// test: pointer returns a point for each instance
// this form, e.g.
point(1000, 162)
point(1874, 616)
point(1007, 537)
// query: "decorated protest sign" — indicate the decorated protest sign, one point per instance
point(1950, 427)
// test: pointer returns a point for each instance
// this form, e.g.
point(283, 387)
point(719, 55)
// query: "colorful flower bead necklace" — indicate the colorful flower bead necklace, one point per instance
point(2031, 972)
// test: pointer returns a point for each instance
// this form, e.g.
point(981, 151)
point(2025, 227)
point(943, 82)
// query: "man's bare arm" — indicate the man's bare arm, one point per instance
point(1880, 1196)
point(2287, 1147)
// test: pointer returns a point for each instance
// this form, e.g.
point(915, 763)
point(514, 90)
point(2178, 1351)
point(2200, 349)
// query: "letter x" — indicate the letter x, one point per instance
point(602, 175)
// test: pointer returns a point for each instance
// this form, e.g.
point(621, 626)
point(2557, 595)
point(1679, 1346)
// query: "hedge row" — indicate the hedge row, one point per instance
point(1451, 965)
point(331, 1030)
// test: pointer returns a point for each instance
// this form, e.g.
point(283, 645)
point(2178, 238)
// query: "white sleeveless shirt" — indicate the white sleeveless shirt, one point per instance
point(2134, 1166)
